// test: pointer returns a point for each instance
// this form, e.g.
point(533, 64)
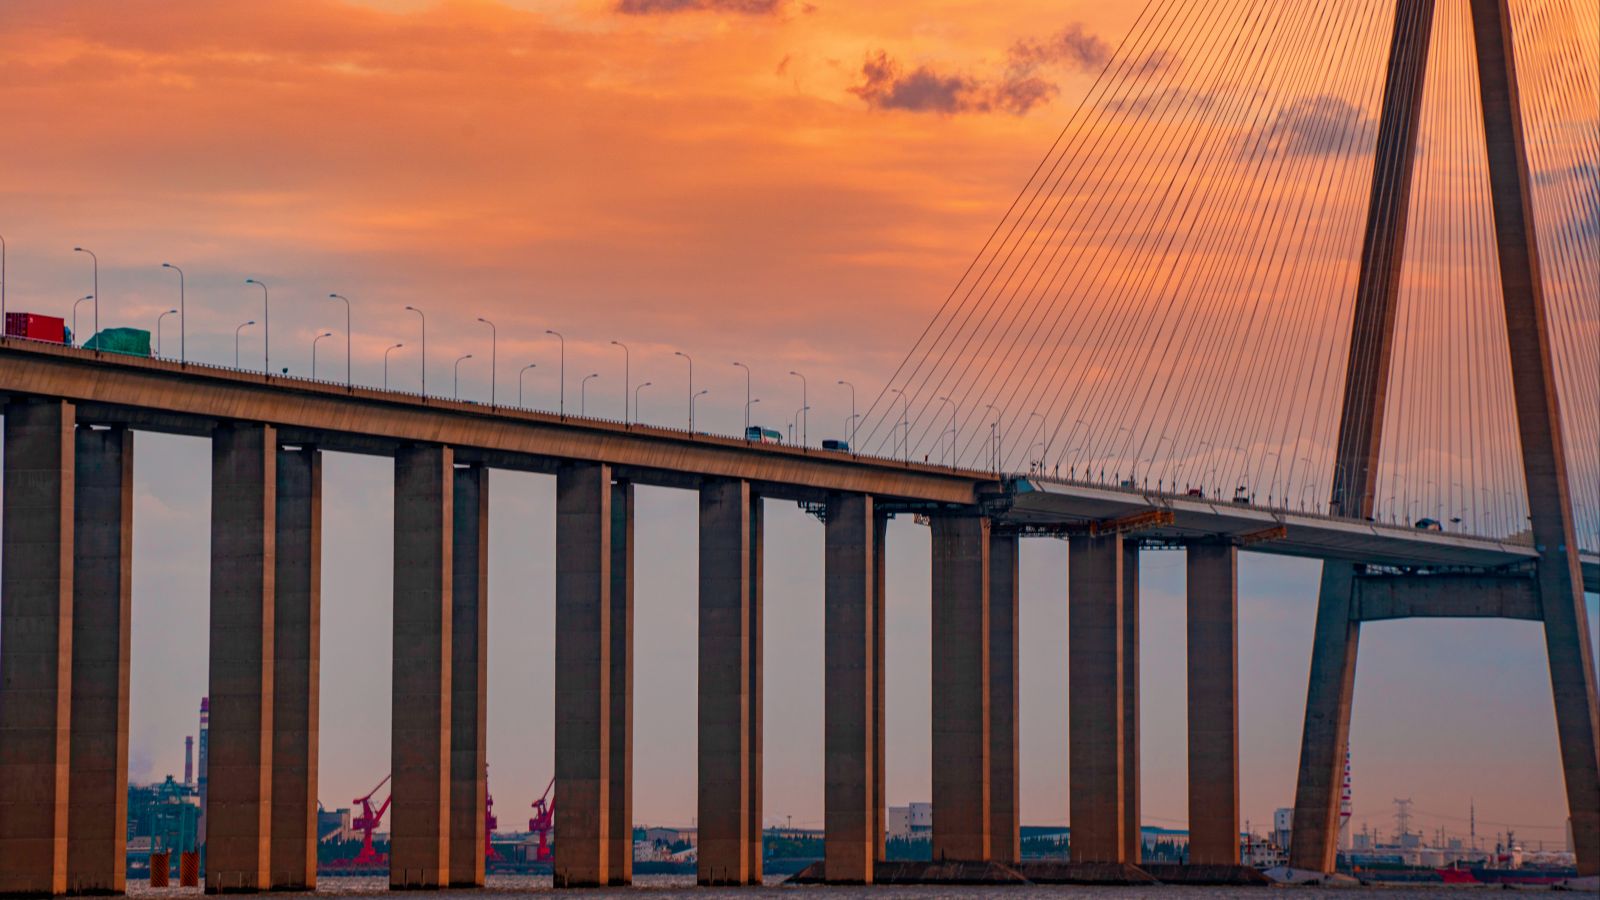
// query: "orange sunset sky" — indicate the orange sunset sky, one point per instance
point(792, 183)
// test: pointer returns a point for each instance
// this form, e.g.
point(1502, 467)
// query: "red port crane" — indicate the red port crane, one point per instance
point(543, 821)
point(367, 822)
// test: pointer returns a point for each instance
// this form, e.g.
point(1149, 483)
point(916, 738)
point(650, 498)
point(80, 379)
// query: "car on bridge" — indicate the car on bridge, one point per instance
point(831, 444)
point(763, 435)
point(1429, 525)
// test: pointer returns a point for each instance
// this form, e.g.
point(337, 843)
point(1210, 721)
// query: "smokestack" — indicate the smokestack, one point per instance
point(205, 729)
point(188, 759)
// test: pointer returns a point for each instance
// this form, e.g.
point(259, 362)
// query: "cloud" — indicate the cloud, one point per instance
point(886, 85)
point(1074, 45)
point(1319, 125)
point(1145, 103)
point(668, 7)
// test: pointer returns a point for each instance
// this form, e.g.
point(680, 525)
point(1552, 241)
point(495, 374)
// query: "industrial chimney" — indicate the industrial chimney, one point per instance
point(188, 759)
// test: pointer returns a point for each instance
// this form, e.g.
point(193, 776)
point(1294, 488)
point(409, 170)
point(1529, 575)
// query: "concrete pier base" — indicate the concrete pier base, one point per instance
point(583, 676)
point(1005, 838)
point(1132, 839)
point(244, 487)
point(754, 635)
point(1213, 661)
point(424, 578)
point(619, 850)
point(97, 808)
point(36, 647)
point(1095, 699)
point(469, 675)
point(961, 723)
point(850, 712)
point(725, 684)
point(297, 651)
point(880, 809)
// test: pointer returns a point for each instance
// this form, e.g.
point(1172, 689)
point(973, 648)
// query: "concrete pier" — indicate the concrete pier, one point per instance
point(961, 686)
point(755, 635)
point(880, 809)
point(725, 684)
point(583, 675)
point(1005, 839)
point(1095, 699)
point(244, 487)
point(424, 578)
point(97, 807)
point(469, 674)
point(297, 651)
point(619, 850)
point(850, 712)
point(1213, 661)
point(1132, 840)
point(36, 646)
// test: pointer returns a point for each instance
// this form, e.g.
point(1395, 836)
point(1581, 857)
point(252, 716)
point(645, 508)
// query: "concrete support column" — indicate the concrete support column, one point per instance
point(97, 811)
point(36, 627)
point(880, 809)
point(1005, 840)
point(297, 653)
point(755, 635)
point(1213, 661)
point(724, 786)
point(961, 688)
point(620, 843)
point(424, 578)
point(469, 675)
point(1132, 838)
point(244, 509)
point(1329, 689)
point(583, 676)
point(850, 676)
point(1094, 698)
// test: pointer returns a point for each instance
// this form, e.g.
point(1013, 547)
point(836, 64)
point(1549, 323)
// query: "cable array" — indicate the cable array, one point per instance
point(1167, 303)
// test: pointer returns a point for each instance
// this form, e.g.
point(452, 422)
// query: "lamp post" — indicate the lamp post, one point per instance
point(314, 341)
point(424, 319)
point(236, 331)
point(159, 320)
point(994, 435)
point(746, 399)
point(690, 360)
point(905, 424)
point(75, 303)
point(266, 325)
point(95, 294)
point(636, 391)
point(583, 393)
point(520, 373)
point(627, 378)
point(562, 405)
point(459, 361)
point(183, 315)
point(386, 363)
point(852, 414)
point(951, 431)
point(702, 393)
point(347, 338)
point(805, 409)
point(494, 356)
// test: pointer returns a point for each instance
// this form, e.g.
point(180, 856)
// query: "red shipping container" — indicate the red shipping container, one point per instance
point(35, 327)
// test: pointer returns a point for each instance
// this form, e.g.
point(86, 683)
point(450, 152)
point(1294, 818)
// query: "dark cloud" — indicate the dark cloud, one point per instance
point(886, 85)
point(1074, 45)
point(664, 7)
point(1320, 125)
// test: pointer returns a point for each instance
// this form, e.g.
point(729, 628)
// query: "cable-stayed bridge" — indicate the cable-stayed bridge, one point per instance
point(1340, 301)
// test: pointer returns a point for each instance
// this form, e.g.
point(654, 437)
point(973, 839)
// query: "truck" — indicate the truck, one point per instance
point(130, 341)
point(34, 327)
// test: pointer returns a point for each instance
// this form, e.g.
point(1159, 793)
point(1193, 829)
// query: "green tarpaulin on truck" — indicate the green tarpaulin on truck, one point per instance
point(132, 341)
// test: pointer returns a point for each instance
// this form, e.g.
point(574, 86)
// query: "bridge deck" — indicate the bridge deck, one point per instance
point(167, 396)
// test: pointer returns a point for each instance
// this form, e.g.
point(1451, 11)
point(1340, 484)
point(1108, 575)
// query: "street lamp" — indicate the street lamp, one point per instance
point(386, 364)
point(690, 360)
point(95, 295)
point(746, 399)
point(636, 391)
point(952, 431)
point(459, 361)
point(424, 348)
point(805, 409)
point(562, 405)
point(583, 393)
point(158, 328)
point(76, 338)
point(494, 356)
point(905, 423)
point(852, 414)
point(236, 331)
point(347, 338)
point(519, 380)
point(183, 315)
point(702, 393)
point(994, 436)
point(627, 377)
point(266, 325)
point(314, 341)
